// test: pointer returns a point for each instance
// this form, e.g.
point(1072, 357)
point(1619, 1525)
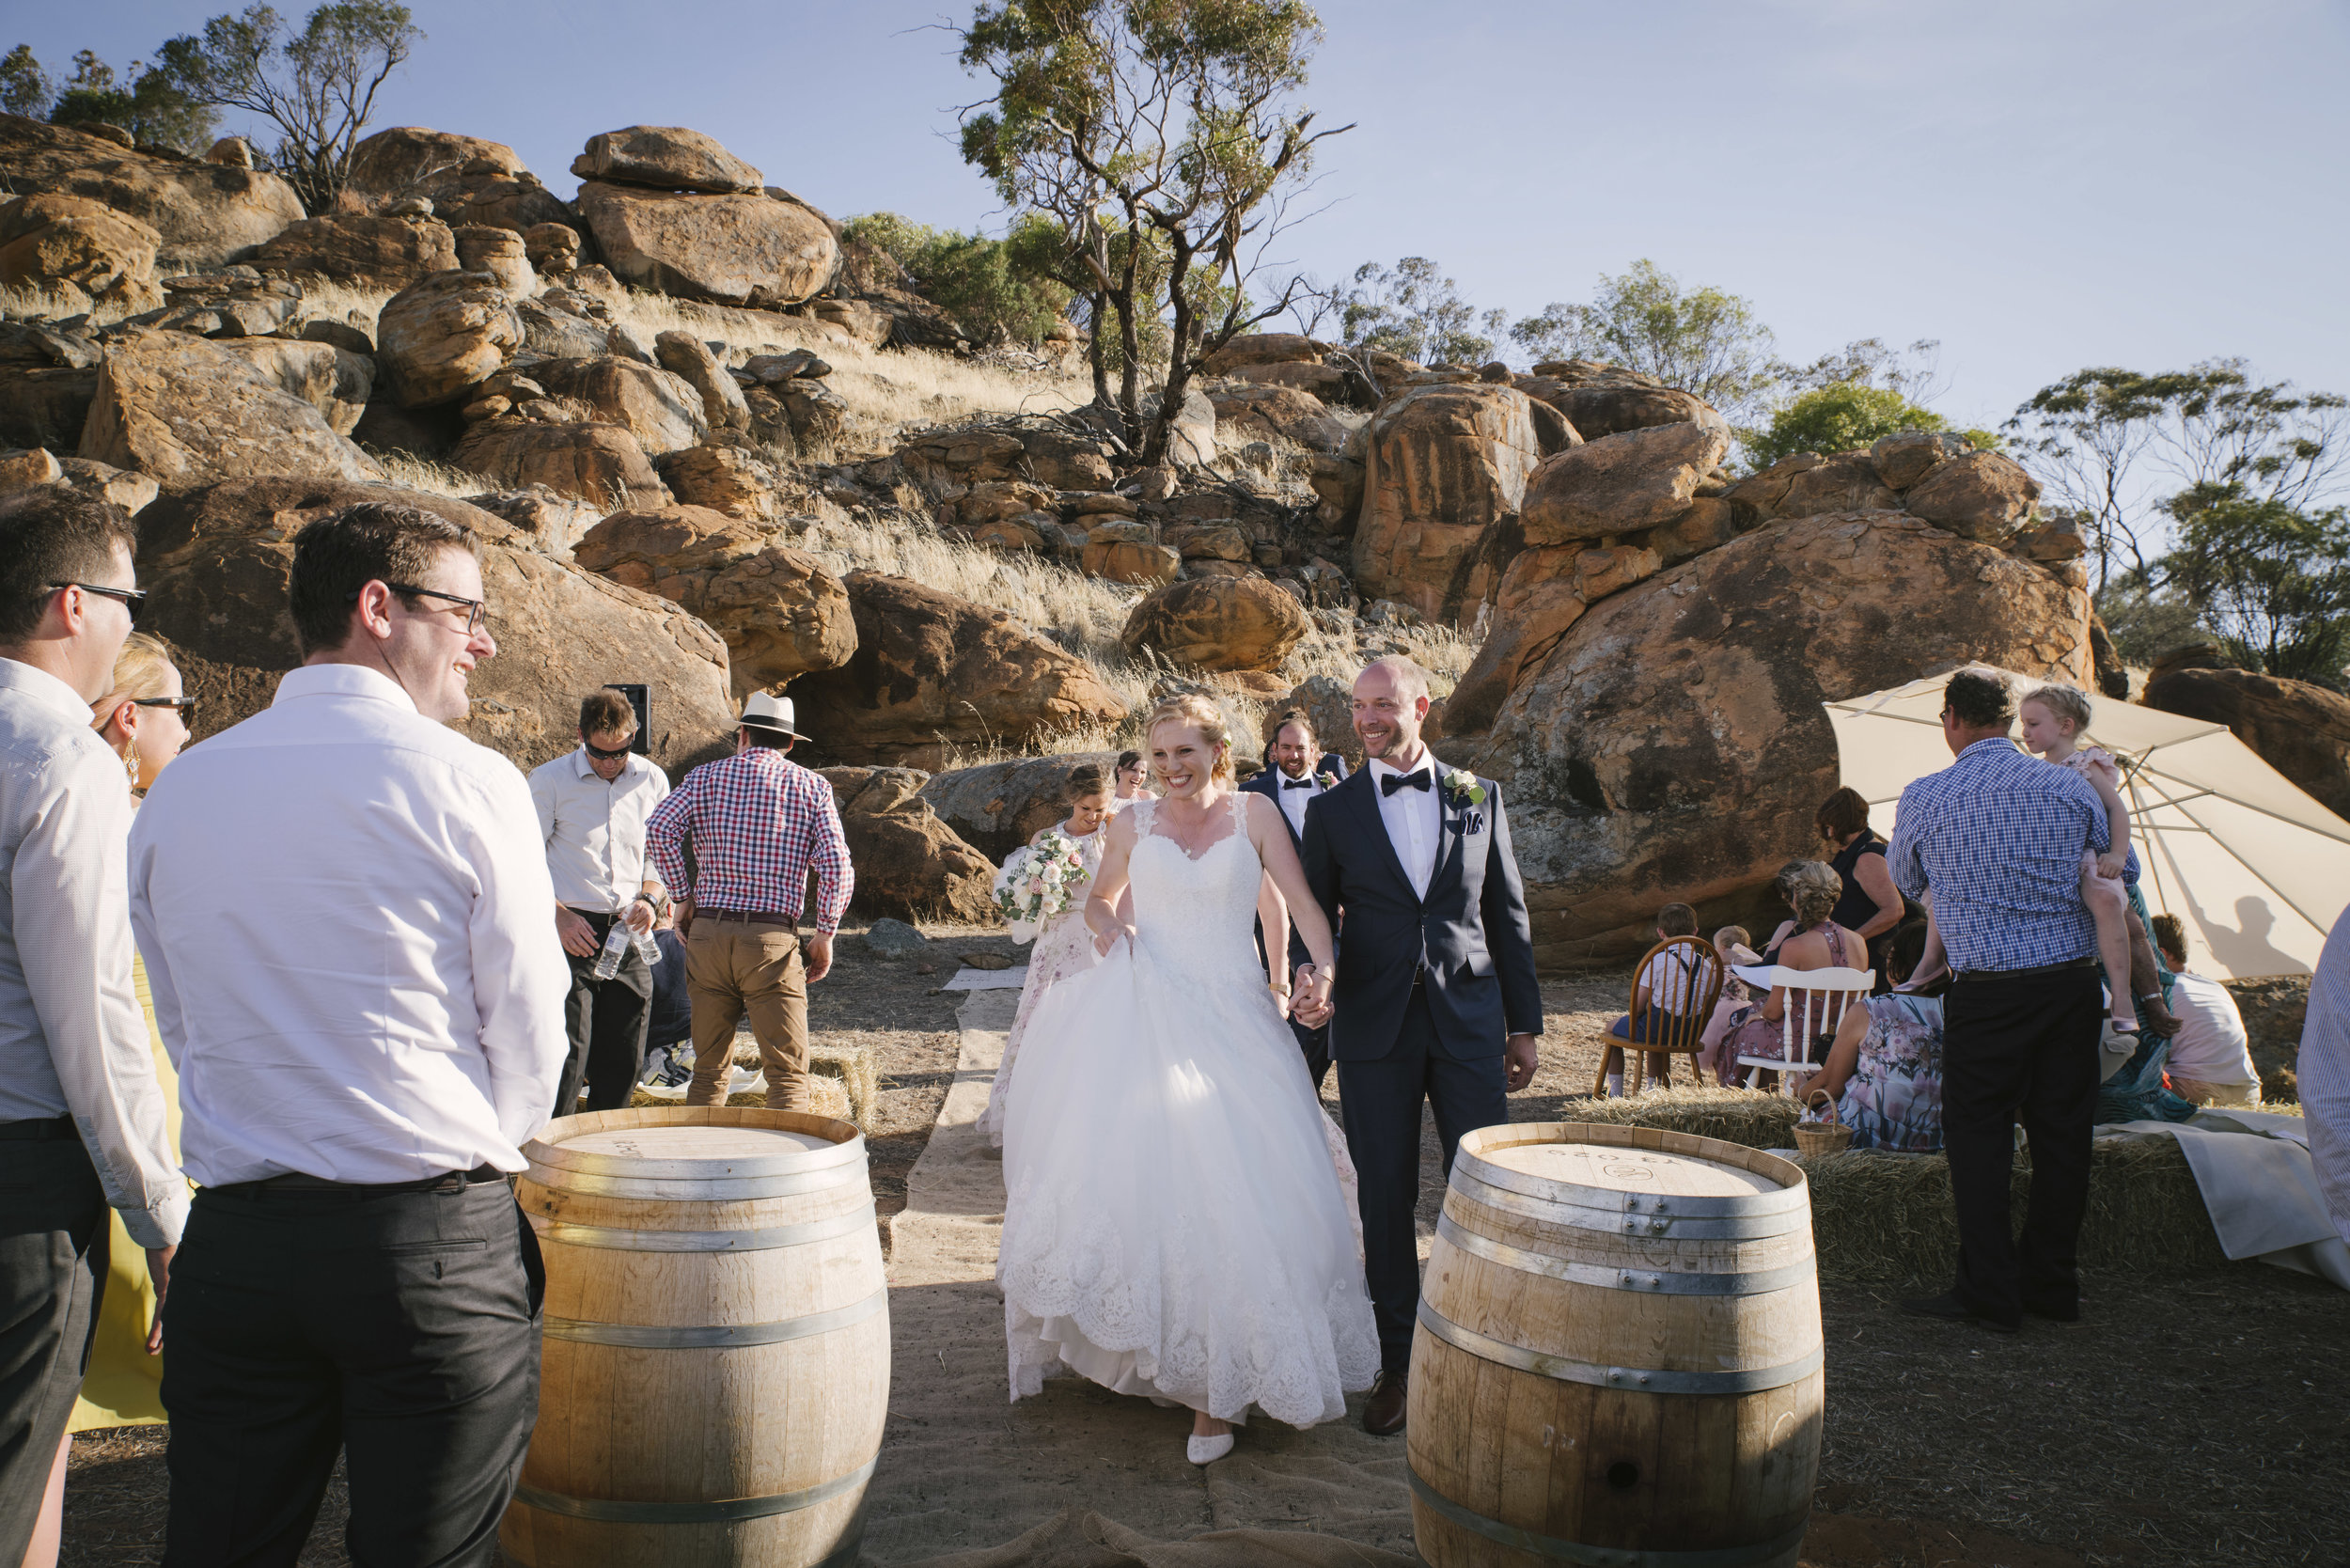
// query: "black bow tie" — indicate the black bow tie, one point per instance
point(1297, 783)
point(1390, 783)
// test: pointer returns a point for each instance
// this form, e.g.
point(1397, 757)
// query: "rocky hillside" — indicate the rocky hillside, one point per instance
point(717, 448)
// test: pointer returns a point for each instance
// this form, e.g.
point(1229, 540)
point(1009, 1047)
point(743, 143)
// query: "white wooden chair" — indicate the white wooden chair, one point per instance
point(1815, 1003)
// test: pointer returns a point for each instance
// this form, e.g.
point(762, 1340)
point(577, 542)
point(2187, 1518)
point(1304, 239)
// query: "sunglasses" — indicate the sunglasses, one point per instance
point(133, 600)
point(185, 704)
point(602, 756)
point(476, 610)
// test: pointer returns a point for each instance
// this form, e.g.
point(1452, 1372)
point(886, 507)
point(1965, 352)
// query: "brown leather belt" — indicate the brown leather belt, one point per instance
point(748, 917)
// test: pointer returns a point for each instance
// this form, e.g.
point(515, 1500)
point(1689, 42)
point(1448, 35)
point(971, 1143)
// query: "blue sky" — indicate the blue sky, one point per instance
point(2039, 185)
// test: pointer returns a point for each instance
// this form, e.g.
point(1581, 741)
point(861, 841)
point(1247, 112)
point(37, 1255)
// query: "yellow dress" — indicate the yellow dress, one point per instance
point(124, 1386)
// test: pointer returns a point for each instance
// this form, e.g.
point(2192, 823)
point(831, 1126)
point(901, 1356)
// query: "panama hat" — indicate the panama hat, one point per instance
point(770, 713)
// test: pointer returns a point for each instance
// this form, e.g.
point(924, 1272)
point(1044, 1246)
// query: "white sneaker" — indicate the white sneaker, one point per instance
point(1207, 1451)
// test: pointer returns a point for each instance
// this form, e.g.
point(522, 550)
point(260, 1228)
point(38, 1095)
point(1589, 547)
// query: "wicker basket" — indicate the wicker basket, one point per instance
point(1825, 1136)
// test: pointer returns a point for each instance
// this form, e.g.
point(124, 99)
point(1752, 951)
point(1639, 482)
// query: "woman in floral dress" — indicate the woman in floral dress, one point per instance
point(1064, 945)
point(1884, 1071)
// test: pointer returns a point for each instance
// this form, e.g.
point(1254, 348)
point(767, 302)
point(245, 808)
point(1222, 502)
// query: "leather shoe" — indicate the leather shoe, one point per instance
point(1949, 1309)
point(1383, 1413)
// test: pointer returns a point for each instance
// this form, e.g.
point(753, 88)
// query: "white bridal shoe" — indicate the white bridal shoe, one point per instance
point(1207, 1451)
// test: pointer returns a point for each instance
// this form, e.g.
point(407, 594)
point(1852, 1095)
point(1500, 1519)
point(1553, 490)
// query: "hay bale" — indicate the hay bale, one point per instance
point(852, 1066)
point(1887, 1217)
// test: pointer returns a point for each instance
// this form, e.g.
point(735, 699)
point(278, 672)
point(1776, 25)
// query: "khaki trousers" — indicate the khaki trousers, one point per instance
point(733, 967)
point(2195, 1092)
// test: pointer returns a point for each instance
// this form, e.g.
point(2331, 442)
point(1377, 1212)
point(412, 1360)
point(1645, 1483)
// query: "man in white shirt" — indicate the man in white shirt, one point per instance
point(1300, 771)
point(343, 906)
point(81, 1117)
point(2211, 1056)
point(592, 804)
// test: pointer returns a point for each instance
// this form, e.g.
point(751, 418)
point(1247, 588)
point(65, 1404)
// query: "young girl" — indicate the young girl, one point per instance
point(2052, 719)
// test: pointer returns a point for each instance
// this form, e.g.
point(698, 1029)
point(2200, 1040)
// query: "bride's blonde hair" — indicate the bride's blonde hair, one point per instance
point(1195, 711)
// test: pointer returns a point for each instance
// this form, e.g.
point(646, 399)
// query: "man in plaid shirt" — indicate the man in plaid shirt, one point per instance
point(758, 823)
point(1998, 835)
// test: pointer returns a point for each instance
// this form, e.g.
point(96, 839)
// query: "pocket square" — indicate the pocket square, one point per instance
point(1471, 822)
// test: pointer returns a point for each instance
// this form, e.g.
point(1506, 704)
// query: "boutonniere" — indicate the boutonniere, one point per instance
point(1327, 780)
point(1463, 789)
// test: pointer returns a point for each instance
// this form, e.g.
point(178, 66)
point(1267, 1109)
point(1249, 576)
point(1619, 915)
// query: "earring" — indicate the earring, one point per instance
point(130, 765)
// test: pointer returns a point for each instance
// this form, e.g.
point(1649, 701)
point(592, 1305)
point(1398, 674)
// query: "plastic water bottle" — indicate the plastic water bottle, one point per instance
point(647, 949)
point(615, 950)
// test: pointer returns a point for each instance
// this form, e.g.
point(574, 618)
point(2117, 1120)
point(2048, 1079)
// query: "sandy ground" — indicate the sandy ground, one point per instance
point(2183, 1423)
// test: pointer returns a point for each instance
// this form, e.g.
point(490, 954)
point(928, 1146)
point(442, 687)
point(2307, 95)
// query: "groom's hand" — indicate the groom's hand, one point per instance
point(1518, 1059)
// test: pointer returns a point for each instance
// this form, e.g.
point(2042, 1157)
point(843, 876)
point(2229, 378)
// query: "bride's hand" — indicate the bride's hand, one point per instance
point(1311, 1002)
point(1105, 940)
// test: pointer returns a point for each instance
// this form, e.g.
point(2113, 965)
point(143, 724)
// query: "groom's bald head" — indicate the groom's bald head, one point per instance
point(1390, 705)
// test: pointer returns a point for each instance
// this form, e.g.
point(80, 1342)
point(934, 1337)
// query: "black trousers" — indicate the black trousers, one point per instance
point(1380, 1105)
point(2020, 1049)
point(53, 1272)
point(399, 1330)
point(606, 1022)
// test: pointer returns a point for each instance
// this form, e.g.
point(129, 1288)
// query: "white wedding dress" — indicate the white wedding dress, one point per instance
point(1178, 1218)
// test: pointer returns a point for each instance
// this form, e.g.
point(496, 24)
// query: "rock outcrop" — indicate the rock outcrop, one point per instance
point(933, 673)
point(741, 248)
point(2302, 730)
point(465, 179)
point(1601, 399)
point(667, 158)
point(445, 334)
point(998, 807)
point(1625, 483)
point(1249, 412)
point(203, 215)
point(683, 353)
point(781, 613)
point(359, 250)
point(600, 464)
point(70, 245)
point(661, 410)
point(185, 411)
point(1671, 746)
point(216, 559)
point(909, 863)
point(333, 380)
point(1445, 475)
point(1217, 623)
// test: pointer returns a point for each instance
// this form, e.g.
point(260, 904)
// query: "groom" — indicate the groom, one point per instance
point(1435, 996)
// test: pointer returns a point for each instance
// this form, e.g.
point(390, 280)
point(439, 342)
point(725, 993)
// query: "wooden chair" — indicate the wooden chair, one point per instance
point(1814, 1004)
point(1675, 1034)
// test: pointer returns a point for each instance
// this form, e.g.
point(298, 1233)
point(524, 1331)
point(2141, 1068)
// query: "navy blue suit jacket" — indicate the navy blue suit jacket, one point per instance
point(1469, 936)
point(1266, 782)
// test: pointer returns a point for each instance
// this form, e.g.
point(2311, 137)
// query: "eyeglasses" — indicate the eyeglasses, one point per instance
point(602, 756)
point(133, 600)
point(185, 704)
point(476, 610)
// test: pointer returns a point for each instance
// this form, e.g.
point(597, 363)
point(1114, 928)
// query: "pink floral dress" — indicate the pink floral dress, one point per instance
point(1063, 948)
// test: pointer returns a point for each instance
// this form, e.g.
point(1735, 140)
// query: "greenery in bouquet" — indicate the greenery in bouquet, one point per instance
point(1039, 884)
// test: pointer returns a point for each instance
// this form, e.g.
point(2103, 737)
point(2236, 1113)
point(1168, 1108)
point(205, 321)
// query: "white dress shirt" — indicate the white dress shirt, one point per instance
point(594, 831)
point(1411, 817)
point(72, 1036)
point(343, 907)
point(1292, 802)
point(2211, 1047)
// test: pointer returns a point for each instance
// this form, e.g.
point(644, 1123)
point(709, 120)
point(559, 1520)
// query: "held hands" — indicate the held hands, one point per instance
point(1309, 1004)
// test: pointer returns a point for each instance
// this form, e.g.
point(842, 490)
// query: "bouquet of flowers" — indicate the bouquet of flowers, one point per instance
point(1039, 882)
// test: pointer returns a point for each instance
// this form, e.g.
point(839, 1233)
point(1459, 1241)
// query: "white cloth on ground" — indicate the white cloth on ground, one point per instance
point(2254, 1170)
point(1178, 1220)
point(347, 921)
point(594, 831)
point(72, 1039)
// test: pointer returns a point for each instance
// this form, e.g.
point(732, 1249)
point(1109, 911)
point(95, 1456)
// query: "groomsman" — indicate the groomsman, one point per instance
point(1437, 998)
point(344, 905)
point(1300, 771)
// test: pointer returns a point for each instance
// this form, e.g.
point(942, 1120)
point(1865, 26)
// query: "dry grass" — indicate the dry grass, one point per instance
point(411, 471)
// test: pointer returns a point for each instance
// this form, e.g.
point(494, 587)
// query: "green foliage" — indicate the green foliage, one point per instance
point(156, 109)
point(2272, 579)
point(1000, 292)
point(1702, 340)
point(1412, 310)
point(1837, 419)
point(317, 85)
point(24, 87)
point(2147, 623)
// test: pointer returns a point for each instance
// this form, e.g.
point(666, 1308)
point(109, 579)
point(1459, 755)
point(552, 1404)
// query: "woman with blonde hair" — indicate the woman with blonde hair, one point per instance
point(1177, 1219)
point(145, 719)
point(1813, 940)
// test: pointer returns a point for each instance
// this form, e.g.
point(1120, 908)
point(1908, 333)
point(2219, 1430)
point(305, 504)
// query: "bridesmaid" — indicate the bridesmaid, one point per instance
point(145, 719)
point(1064, 947)
point(1132, 782)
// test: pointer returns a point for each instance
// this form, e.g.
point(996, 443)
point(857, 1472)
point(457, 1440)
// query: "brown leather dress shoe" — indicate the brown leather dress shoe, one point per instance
point(1383, 1413)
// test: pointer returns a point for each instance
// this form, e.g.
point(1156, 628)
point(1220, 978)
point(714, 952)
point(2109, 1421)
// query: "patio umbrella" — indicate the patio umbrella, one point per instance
point(2254, 868)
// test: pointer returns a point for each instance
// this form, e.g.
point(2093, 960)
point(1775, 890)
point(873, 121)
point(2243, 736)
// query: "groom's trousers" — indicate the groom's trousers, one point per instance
point(1380, 1101)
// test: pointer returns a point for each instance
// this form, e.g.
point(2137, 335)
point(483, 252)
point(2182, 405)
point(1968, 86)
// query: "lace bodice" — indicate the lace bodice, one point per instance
point(1196, 915)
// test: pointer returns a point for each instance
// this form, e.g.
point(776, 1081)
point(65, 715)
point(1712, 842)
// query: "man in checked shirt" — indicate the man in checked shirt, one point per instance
point(1997, 837)
point(758, 824)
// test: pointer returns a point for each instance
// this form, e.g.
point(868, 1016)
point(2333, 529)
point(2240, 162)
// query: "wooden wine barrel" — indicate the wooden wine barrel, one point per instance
point(715, 1372)
point(1618, 1359)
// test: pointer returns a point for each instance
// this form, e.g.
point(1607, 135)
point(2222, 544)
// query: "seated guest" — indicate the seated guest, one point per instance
point(1669, 988)
point(1729, 945)
point(2211, 1062)
point(1884, 1071)
point(670, 1023)
point(1810, 941)
point(1871, 906)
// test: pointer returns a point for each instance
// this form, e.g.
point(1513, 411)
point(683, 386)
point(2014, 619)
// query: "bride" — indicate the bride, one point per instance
point(1177, 1220)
